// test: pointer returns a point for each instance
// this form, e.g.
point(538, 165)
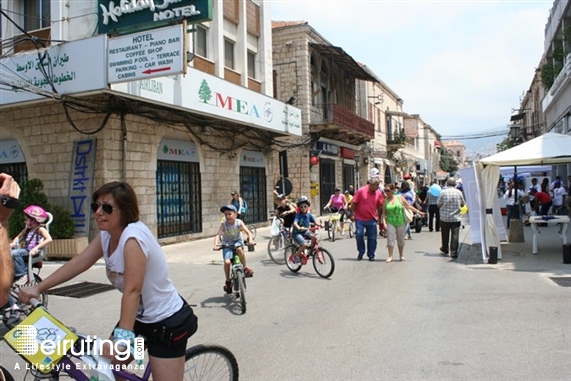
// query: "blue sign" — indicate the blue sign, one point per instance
point(81, 184)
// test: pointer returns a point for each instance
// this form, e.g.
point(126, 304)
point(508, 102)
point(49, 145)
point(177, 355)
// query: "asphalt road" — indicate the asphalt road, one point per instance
point(429, 318)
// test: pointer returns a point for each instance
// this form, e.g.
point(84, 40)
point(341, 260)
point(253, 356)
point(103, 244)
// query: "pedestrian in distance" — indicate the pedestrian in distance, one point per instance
point(136, 266)
point(409, 196)
point(393, 219)
point(9, 193)
point(433, 211)
point(238, 203)
point(367, 211)
point(511, 204)
point(450, 202)
point(422, 200)
point(230, 233)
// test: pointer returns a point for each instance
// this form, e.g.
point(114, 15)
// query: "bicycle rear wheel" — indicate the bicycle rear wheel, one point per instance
point(323, 262)
point(276, 247)
point(210, 362)
point(290, 252)
point(11, 320)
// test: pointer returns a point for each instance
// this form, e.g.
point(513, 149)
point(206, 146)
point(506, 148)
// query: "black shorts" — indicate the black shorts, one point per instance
point(168, 338)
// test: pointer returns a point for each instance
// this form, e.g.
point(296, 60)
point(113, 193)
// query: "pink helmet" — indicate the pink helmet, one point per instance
point(36, 212)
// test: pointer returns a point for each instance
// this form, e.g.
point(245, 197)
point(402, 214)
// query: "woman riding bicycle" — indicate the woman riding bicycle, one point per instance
point(136, 266)
point(337, 203)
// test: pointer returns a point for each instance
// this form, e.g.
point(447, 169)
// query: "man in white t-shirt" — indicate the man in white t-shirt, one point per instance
point(559, 195)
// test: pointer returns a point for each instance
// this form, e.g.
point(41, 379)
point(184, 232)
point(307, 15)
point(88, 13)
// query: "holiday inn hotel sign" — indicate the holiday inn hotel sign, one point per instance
point(118, 15)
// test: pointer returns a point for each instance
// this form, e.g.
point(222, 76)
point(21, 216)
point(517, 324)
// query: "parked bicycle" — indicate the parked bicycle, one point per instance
point(238, 276)
point(202, 362)
point(323, 261)
point(278, 243)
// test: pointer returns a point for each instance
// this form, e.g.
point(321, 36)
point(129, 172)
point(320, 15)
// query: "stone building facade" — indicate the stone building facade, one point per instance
point(184, 146)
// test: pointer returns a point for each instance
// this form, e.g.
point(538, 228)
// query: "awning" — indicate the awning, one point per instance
point(383, 161)
point(345, 61)
point(517, 117)
point(397, 113)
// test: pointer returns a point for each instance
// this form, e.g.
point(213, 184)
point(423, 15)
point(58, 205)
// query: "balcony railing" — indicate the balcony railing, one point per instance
point(396, 138)
point(329, 113)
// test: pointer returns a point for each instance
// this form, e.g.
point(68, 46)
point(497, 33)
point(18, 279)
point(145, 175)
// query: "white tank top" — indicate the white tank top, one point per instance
point(159, 298)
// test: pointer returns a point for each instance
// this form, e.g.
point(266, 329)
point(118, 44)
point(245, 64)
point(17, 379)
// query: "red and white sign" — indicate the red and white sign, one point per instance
point(149, 54)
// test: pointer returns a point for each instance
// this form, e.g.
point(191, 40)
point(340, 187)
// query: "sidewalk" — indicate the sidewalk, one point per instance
point(517, 256)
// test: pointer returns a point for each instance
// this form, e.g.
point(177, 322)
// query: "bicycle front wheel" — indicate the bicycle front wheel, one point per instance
point(323, 262)
point(289, 257)
point(210, 362)
point(276, 247)
point(241, 280)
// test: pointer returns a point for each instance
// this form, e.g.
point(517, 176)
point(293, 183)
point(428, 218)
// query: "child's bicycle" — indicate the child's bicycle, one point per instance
point(202, 362)
point(323, 262)
point(238, 277)
point(278, 243)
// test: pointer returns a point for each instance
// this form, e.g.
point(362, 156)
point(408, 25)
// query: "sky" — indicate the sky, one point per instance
point(462, 65)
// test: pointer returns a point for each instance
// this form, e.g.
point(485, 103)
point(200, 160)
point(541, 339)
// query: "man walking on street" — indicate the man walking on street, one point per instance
point(367, 209)
point(449, 202)
point(433, 212)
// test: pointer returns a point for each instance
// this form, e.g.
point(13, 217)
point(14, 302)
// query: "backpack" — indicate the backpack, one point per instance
point(244, 207)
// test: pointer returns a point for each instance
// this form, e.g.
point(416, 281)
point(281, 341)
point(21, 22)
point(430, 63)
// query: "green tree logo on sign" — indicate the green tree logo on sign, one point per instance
point(204, 93)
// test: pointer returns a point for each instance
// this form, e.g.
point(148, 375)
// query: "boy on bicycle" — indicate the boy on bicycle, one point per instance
point(301, 223)
point(231, 233)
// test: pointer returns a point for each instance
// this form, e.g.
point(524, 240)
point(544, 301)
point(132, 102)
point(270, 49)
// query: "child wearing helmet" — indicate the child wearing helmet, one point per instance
point(230, 232)
point(29, 241)
point(301, 223)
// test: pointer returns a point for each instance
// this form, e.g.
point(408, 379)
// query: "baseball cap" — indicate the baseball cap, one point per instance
point(228, 207)
point(233, 192)
point(407, 176)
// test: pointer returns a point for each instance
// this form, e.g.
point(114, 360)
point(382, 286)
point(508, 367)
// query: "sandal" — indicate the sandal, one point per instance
point(389, 259)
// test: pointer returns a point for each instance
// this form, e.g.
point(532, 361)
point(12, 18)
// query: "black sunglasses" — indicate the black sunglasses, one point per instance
point(106, 208)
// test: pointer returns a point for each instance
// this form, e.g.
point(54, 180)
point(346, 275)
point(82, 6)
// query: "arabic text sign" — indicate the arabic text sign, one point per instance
point(154, 53)
point(72, 67)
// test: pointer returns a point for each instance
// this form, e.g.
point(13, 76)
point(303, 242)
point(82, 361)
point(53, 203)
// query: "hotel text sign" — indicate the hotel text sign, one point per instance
point(122, 14)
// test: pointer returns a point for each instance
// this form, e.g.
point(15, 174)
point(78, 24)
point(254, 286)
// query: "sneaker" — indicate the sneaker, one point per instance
point(445, 252)
point(303, 259)
point(228, 287)
point(359, 257)
point(21, 281)
point(293, 259)
point(248, 272)
point(342, 232)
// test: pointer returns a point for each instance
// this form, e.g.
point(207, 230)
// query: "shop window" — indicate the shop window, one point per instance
point(19, 171)
point(179, 203)
point(253, 190)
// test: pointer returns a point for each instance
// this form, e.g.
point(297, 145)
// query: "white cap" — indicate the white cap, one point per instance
point(374, 172)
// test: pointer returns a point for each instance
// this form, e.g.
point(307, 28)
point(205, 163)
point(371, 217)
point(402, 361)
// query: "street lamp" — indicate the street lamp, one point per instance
point(514, 132)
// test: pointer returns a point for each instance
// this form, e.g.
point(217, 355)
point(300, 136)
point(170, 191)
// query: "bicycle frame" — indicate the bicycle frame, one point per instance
point(69, 367)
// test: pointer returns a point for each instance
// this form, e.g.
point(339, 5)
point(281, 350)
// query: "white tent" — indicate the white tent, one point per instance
point(549, 148)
